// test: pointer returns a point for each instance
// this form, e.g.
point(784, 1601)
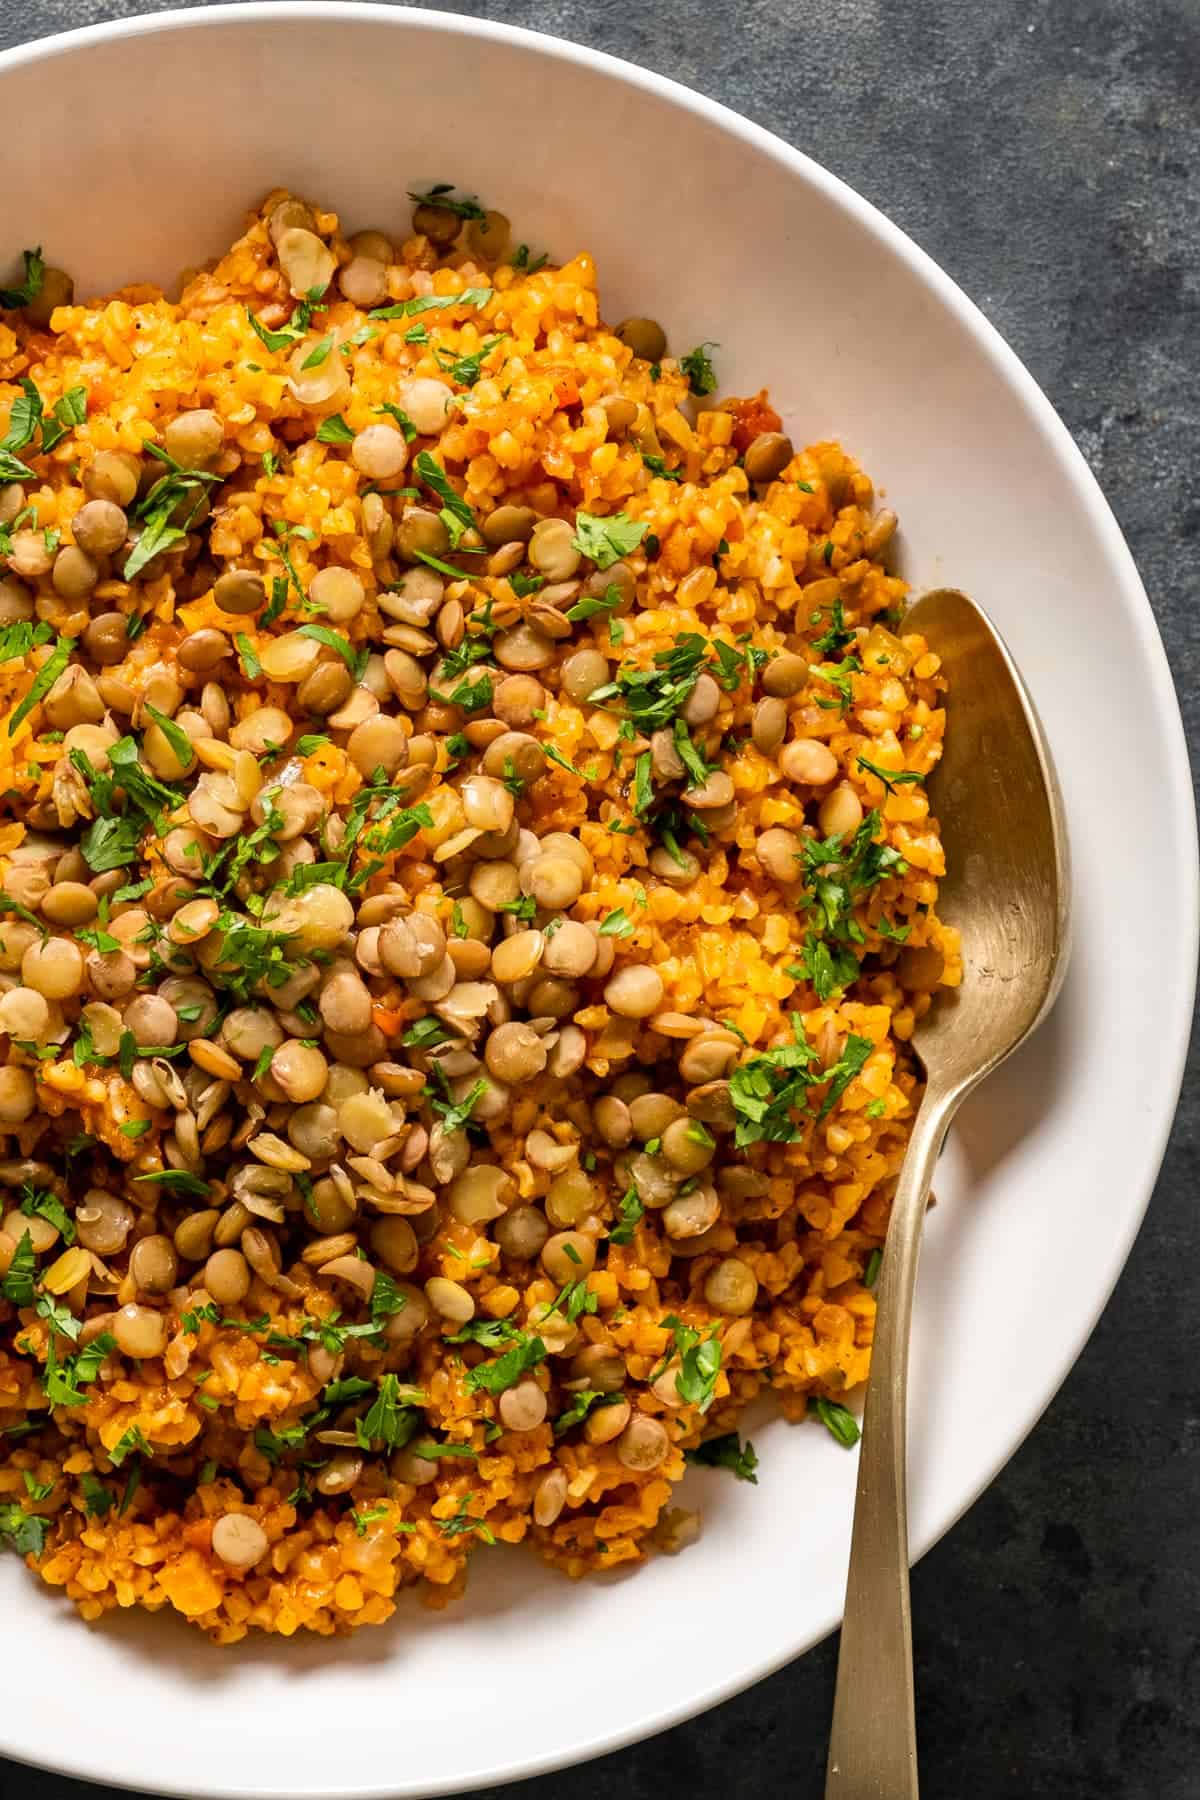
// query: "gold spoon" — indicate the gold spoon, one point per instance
point(1007, 889)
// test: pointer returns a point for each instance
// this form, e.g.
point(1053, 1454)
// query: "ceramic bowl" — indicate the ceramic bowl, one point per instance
point(141, 145)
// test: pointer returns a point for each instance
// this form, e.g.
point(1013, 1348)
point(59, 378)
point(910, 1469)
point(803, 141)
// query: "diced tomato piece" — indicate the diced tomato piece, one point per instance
point(753, 416)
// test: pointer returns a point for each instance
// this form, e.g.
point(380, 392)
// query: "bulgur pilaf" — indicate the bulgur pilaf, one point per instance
point(467, 890)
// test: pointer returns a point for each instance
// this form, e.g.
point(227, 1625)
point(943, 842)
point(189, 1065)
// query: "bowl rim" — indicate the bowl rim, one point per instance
point(1178, 801)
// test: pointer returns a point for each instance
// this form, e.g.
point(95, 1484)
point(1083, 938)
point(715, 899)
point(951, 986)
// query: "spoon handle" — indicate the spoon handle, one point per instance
point(873, 1741)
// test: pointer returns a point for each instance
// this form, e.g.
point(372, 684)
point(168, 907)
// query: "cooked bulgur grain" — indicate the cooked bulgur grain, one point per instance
point(468, 886)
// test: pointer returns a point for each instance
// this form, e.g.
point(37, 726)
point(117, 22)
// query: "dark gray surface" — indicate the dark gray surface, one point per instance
point(1048, 157)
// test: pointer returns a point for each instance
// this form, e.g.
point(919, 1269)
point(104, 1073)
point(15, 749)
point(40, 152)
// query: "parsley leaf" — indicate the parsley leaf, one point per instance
point(355, 660)
point(318, 354)
point(408, 309)
point(334, 430)
point(766, 1090)
point(490, 1333)
point(178, 1181)
point(467, 369)
point(64, 1382)
point(581, 1405)
point(31, 284)
point(26, 1533)
point(658, 467)
point(848, 1065)
point(429, 471)
point(699, 1363)
point(441, 196)
point(643, 785)
point(165, 515)
point(697, 366)
point(16, 1284)
point(726, 1452)
point(45, 678)
point(836, 637)
point(836, 874)
point(97, 1499)
point(388, 1420)
point(591, 605)
point(838, 1420)
point(463, 1521)
point(507, 1370)
point(425, 1034)
point(175, 735)
point(36, 1203)
point(630, 1212)
point(891, 778)
point(606, 540)
point(19, 638)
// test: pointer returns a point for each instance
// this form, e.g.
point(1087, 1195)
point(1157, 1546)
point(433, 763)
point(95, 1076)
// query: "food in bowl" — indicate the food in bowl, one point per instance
point(468, 887)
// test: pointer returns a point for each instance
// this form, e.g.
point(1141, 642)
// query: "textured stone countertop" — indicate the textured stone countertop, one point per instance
point(1049, 158)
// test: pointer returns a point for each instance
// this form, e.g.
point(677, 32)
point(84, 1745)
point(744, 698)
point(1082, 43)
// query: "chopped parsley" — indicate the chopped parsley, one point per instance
point(16, 1285)
point(178, 1181)
point(697, 366)
point(836, 874)
point(835, 638)
point(574, 1299)
point(581, 1405)
point(39, 1203)
point(26, 1533)
point(643, 784)
point(838, 1420)
point(363, 1519)
point(727, 1452)
point(523, 263)
point(489, 1333)
point(494, 1377)
point(891, 778)
point(30, 285)
point(129, 1443)
point(556, 756)
point(334, 430)
point(355, 660)
point(630, 1213)
point(168, 511)
point(441, 198)
point(699, 1363)
point(456, 515)
point(175, 735)
point(466, 370)
point(606, 540)
point(97, 1499)
point(45, 678)
point(318, 354)
point(65, 1381)
point(22, 636)
point(454, 1114)
point(425, 1034)
point(464, 1521)
point(594, 604)
point(295, 329)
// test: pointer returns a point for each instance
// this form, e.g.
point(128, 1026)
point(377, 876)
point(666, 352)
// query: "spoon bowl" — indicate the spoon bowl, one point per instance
point(1007, 891)
point(1007, 882)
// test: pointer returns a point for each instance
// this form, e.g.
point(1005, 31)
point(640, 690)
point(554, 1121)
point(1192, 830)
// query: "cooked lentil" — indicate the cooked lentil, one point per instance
point(467, 900)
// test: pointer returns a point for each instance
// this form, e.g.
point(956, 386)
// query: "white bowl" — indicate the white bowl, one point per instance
point(140, 145)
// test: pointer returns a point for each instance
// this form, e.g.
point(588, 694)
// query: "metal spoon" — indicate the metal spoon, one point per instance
point(1007, 889)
